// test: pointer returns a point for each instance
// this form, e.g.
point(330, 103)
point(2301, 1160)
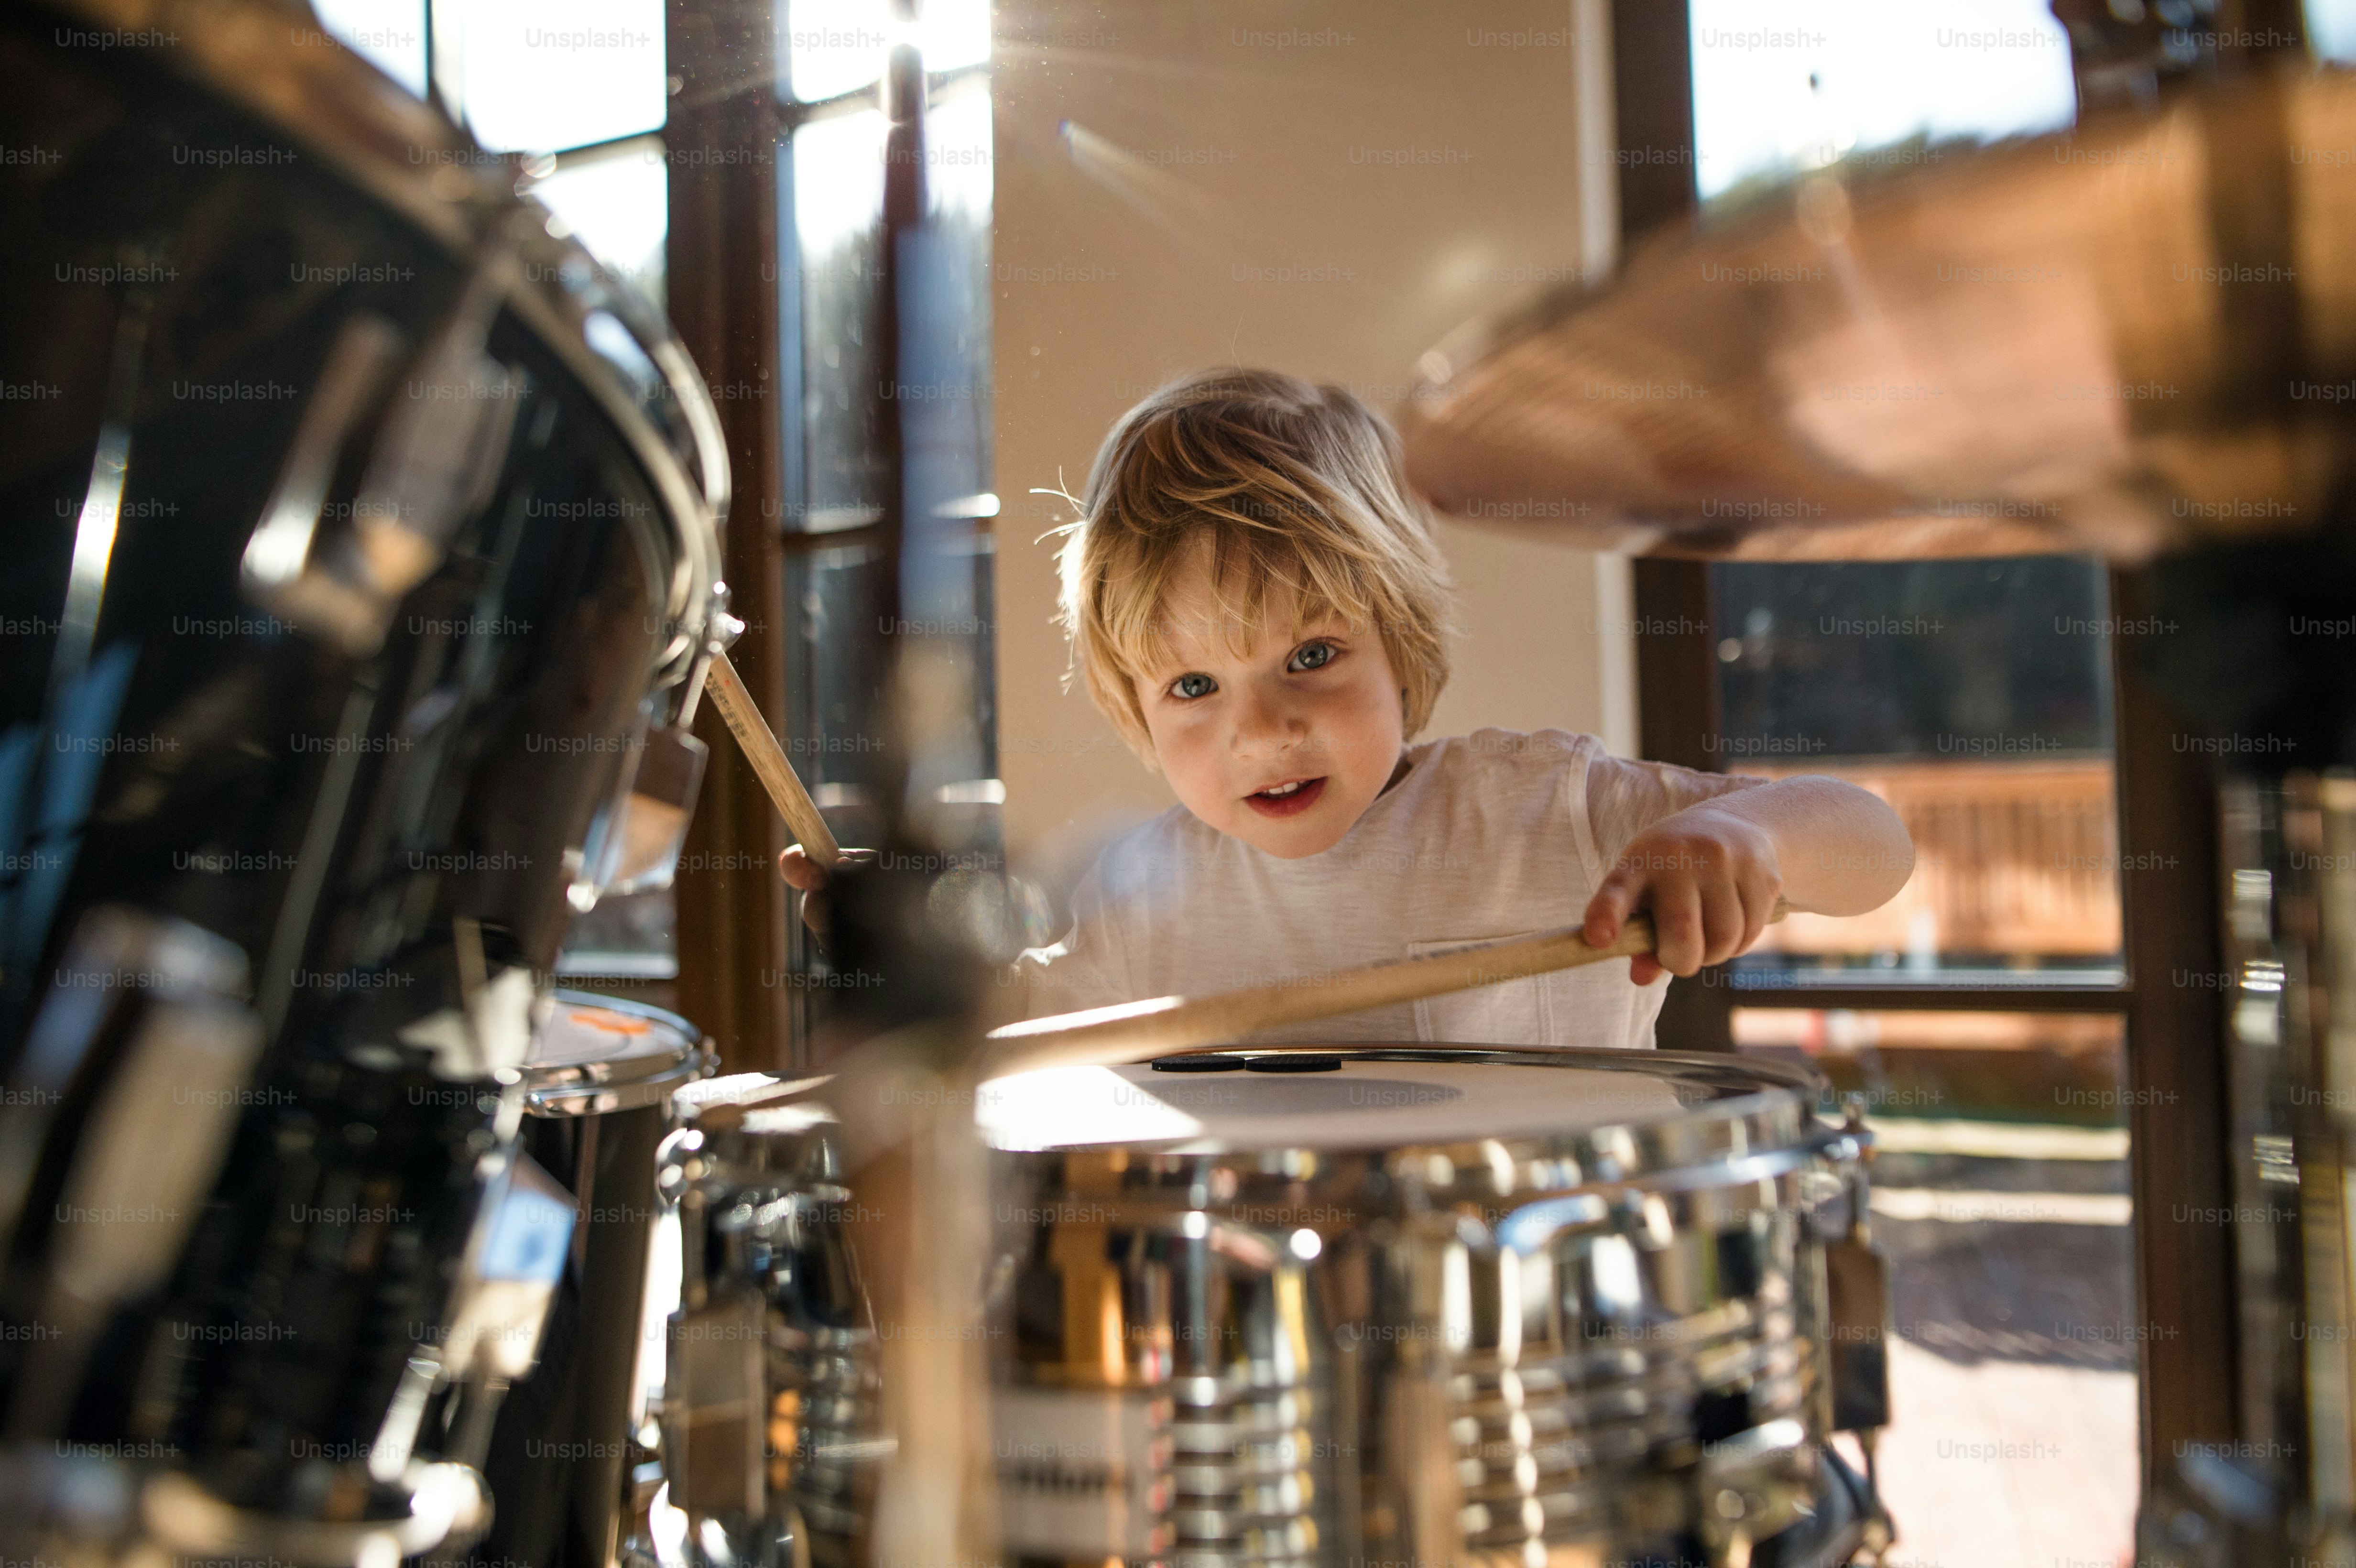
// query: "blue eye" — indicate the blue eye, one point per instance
point(1313, 656)
point(1189, 686)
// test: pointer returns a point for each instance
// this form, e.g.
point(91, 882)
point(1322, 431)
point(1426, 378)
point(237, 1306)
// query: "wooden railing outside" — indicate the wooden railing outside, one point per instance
point(2011, 859)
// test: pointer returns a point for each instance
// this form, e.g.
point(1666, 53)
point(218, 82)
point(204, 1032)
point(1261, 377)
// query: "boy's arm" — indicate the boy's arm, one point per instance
point(1711, 873)
point(1841, 849)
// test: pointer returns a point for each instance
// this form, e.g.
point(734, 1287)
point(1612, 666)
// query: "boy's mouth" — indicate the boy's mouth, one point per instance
point(1290, 799)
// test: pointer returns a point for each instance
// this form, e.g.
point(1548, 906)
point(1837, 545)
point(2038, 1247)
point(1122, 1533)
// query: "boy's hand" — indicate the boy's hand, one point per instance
point(1710, 880)
point(800, 870)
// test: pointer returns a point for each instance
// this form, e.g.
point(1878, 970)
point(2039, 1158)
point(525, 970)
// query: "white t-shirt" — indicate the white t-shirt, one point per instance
point(1490, 835)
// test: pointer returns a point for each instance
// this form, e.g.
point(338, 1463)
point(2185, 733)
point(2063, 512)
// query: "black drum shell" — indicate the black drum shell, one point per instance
point(562, 1440)
point(339, 818)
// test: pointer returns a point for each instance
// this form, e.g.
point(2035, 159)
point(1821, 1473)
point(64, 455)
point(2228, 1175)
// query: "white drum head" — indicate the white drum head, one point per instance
point(596, 1054)
point(1366, 1105)
point(584, 1029)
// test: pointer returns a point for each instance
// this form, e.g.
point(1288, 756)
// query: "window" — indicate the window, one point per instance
point(833, 277)
point(835, 374)
point(1785, 85)
point(617, 200)
point(544, 75)
point(388, 34)
point(2331, 29)
point(1974, 696)
point(579, 85)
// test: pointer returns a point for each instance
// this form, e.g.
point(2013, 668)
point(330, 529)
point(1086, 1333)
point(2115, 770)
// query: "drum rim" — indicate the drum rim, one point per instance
point(620, 1082)
point(1778, 1116)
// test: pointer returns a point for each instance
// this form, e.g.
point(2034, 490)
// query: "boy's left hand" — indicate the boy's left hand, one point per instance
point(1710, 880)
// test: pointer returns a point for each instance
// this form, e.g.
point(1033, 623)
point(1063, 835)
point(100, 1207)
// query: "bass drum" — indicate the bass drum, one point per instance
point(1363, 1305)
point(366, 566)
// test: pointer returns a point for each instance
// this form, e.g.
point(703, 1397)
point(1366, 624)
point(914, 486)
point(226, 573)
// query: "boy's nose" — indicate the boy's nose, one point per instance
point(1264, 723)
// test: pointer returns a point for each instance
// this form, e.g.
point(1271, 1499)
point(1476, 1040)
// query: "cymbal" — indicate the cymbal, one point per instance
point(2127, 339)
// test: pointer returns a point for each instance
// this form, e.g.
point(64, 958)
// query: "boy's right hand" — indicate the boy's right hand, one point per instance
point(801, 872)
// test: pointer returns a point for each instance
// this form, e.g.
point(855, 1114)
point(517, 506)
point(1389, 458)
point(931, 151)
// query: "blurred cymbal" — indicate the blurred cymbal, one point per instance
point(2127, 339)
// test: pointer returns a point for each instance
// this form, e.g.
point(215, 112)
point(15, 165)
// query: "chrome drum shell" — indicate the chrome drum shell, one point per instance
point(1287, 1335)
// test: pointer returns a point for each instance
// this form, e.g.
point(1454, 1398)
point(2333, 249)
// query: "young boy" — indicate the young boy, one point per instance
point(1256, 602)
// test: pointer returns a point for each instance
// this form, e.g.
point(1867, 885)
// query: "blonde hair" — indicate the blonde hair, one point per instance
point(1287, 485)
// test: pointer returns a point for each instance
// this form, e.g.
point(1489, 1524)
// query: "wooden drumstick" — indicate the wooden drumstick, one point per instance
point(1135, 1031)
point(769, 764)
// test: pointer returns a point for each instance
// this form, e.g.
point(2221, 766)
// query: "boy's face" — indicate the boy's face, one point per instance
point(1283, 745)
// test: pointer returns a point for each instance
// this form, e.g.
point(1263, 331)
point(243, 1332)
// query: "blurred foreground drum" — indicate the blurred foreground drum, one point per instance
point(1475, 1305)
point(366, 568)
point(597, 1101)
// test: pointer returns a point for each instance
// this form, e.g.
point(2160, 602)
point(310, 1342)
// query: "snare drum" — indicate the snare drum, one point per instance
point(1475, 1305)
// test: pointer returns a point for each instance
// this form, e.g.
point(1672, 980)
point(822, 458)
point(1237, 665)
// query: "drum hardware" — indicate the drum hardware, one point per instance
point(648, 1490)
point(447, 1502)
point(2282, 1488)
point(101, 509)
point(770, 1430)
point(634, 844)
point(1857, 1280)
point(170, 1001)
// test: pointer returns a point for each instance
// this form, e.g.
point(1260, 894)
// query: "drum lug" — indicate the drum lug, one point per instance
point(715, 1407)
point(1857, 1279)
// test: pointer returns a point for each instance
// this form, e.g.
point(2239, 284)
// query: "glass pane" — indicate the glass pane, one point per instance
point(954, 34)
point(944, 383)
point(389, 34)
point(833, 280)
point(841, 46)
point(2000, 1195)
point(2331, 29)
point(838, 194)
point(833, 666)
point(837, 174)
point(545, 75)
point(1974, 696)
point(617, 204)
point(629, 939)
point(1783, 86)
point(957, 184)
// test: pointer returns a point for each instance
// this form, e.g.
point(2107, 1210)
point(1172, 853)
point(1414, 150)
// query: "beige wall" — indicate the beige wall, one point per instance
point(1158, 166)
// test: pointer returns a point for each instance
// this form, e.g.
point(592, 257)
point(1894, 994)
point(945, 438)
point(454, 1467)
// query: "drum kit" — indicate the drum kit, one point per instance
point(335, 1236)
point(331, 1234)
